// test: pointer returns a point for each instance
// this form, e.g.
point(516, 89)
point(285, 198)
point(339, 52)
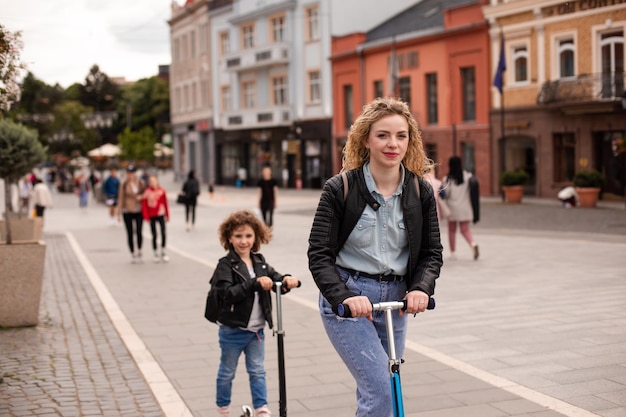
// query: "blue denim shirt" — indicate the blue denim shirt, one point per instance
point(378, 244)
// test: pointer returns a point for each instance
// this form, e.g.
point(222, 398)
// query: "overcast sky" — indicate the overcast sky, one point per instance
point(64, 38)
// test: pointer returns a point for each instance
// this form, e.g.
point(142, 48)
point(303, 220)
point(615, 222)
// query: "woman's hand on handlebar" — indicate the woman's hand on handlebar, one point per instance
point(360, 306)
point(416, 302)
point(265, 282)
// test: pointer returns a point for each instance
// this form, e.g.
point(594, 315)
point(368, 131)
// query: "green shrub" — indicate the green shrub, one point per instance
point(517, 177)
point(589, 178)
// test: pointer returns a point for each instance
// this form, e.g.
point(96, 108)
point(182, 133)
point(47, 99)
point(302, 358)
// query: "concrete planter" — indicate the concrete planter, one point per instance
point(20, 283)
point(587, 196)
point(22, 228)
point(513, 193)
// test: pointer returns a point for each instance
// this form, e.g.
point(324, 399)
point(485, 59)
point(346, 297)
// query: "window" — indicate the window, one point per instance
point(405, 89)
point(520, 63)
point(468, 156)
point(564, 154)
point(278, 29)
point(566, 58)
point(412, 60)
point(348, 105)
point(247, 36)
point(176, 50)
point(192, 43)
point(203, 36)
point(249, 94)
point(226, 101)
point(224, 43)
point(204, 94)
point(378, 89)
point(431, 97)
point(315, 88)
point(312, 24)
point(468, 91)
point(194, 96)
point(279, 85)
point(186, 98)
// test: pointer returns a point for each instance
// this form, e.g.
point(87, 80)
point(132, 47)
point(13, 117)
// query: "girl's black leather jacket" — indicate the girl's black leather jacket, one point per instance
point(236, 288)
point(335, 219)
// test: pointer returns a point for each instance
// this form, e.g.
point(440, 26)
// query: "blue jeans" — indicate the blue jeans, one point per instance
point(234, 341)
point(362, 344)
point(83, 198)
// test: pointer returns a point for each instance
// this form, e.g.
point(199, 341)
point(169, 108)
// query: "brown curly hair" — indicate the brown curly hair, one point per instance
point(355, 154)
point(235, 220)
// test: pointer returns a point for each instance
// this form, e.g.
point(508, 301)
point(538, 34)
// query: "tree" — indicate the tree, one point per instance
point(146, 103)
point(20, 152)
point(11, 67)
point(68, 132)
point(138, 146)
point(98, 91)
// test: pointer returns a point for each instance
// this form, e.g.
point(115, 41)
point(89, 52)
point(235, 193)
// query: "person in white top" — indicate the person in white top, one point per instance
point(456, 192)
point(41, 197)
point(25, 189)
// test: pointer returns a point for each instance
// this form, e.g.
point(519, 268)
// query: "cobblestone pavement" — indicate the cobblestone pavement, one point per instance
point(74, 362)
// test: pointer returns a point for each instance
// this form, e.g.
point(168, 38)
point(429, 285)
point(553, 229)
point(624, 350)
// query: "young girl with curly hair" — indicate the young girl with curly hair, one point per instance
point(244, 279)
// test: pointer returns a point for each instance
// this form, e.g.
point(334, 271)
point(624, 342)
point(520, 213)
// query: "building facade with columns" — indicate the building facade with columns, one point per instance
point(561, 108)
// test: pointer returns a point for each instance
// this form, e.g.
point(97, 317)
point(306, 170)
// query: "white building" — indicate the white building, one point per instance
point(251, 85)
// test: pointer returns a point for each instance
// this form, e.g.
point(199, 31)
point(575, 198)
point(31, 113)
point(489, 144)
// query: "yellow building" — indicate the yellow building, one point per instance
point(561, 108)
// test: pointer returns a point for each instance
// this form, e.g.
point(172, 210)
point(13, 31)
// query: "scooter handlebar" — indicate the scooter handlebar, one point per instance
point(343, 310)
point(274, 285)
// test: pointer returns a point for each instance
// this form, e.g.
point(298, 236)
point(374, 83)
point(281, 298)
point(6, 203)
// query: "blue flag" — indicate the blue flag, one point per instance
point(497, 79)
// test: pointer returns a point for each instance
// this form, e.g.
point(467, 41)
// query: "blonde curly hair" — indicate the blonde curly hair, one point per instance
point(262, 234)
point(355, 154)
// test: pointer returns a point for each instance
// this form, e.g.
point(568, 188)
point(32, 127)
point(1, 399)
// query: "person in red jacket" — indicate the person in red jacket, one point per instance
point(156, 210)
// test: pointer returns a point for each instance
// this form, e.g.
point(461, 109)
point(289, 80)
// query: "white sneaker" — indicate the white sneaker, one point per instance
point(133, 258)
point(164, 256)
point(157, 258)
point(139, 257)
point(263, 411)
point(223, 411)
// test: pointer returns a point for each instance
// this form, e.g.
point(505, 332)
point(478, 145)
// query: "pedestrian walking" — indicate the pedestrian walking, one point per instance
point(111, 189)
point(41, 197)
point(130, 208)
point(25, 189)
point(243, 279)
point(375, 238)
point(268, 195)
point(460, 193)
point(81, 188)
point(93, 180)
point(191, 190)
point(156, 210)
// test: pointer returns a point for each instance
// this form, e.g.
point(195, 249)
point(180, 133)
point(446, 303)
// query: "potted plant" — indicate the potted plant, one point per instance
point(22, 262)
point(588, 184)
point(512, 183)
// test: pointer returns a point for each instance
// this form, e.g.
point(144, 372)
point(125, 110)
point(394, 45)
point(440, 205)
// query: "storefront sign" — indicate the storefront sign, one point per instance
point(578, 6)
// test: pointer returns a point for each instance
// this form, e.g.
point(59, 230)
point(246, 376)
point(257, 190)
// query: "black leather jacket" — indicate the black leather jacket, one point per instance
point(236, 288)
point(335, 219)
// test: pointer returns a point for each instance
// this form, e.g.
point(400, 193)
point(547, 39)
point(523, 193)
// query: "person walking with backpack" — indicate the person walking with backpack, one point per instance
point(375, 238)
point(243, 279)
point(191, 191)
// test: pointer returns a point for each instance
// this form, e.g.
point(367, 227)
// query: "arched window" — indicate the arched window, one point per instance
point(520, 60)
point(566, 58)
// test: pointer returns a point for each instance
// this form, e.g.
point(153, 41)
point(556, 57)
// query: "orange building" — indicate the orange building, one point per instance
point(442, 69)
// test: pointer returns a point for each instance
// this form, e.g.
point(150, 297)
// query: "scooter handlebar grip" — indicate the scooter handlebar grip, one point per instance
point(343, 310)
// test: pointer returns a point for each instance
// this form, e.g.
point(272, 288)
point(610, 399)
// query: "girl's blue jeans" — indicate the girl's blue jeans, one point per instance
point(233, 342)
point(362, 344)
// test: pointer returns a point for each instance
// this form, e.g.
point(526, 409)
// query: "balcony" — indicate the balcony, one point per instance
point(256, 118)
point(259, 57)
point(586, 88)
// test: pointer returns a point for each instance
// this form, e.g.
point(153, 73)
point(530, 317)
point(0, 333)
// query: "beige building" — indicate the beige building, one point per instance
point(190, 90)
point(561, 105)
